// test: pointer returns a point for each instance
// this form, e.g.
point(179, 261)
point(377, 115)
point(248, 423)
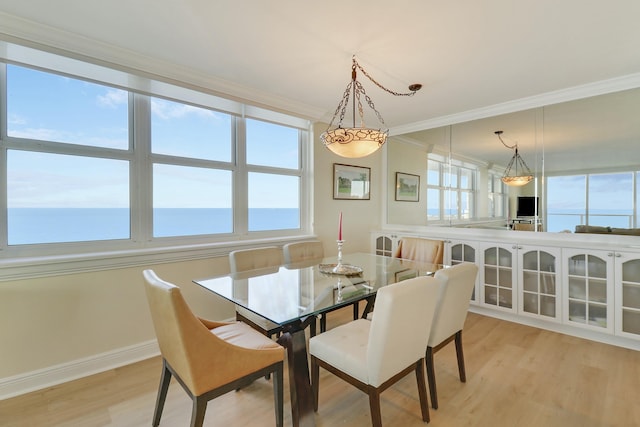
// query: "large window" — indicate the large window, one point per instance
point(67, 162)
point(89, 162)
point(588, 199)
point(497, 196)
point(451, 189)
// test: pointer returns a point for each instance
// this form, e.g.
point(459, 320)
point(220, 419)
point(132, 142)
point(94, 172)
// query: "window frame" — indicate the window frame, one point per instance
point(634, 217)
point(445, 189)
point(141, 161)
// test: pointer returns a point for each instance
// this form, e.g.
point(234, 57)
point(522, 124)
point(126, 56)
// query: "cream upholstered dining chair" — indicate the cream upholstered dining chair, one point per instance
point(373, 355)
point(415, 249)
point(456, 287)
point(419, 249)
point(253, 259)
point(303, 251)
point(208, 359)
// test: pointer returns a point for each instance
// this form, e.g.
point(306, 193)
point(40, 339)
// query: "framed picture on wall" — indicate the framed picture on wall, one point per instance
point(407, 187)
point(351, 182)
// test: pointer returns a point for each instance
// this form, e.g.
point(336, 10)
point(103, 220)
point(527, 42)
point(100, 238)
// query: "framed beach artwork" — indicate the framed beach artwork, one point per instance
point(351, 182)
point(407, 187)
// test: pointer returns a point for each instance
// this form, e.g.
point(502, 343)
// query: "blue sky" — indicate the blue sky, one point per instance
point(78, 112)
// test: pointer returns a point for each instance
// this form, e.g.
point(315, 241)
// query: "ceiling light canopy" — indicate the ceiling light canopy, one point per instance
point(517, 173)
point(359, 141)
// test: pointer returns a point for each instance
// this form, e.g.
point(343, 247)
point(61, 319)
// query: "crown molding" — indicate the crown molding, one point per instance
point(602, 87)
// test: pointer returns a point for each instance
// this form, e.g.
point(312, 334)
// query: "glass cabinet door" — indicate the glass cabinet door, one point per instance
point(539, 294)
point(589, 277)
point(384, 246)
point(628, 294)
point(498, 277)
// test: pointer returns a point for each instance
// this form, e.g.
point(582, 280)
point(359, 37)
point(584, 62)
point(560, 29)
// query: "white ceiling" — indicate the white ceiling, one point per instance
point(295, 55)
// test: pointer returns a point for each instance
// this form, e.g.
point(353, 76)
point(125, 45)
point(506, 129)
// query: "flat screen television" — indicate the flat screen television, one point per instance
point(528, 206)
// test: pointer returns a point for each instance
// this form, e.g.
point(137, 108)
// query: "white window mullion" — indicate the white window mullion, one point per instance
point(3, 158)
point(240, 180)
point(141, 174)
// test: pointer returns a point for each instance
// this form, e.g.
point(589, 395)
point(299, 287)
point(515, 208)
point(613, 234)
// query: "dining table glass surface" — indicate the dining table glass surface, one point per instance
point(290, 292)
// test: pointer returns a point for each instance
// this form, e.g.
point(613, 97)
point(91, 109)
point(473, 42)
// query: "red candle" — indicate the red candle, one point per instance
point(340, 227)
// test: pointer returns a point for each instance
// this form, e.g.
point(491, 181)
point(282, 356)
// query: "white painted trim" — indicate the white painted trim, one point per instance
point(616, 84)
point(49, 265)
point(54, 375)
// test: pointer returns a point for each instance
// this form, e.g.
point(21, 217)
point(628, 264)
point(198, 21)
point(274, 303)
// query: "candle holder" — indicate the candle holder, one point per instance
point(339, 296)
point(340, 268)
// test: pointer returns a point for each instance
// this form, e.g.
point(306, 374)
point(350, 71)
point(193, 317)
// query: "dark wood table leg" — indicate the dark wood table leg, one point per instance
point(369, 307)
point(299, 382)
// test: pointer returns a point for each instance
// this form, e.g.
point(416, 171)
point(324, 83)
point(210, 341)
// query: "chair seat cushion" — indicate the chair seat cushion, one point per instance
point(345, 348)
point(260, 321)
point(243, 335)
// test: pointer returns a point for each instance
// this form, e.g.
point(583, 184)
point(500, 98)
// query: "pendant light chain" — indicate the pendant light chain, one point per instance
point(354, 142)
point(413, 92)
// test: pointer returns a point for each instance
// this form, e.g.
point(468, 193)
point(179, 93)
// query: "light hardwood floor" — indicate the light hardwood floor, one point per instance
point(516, 376)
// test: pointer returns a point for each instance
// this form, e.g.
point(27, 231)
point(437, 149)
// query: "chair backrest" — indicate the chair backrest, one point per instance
point(251, 259)
point(419, 249)
point(401, 326)
point(455, 290)
point(177, 329)
point(303, 251)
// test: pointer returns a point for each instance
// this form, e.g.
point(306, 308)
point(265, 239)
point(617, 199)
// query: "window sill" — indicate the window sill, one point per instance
point(48, 265)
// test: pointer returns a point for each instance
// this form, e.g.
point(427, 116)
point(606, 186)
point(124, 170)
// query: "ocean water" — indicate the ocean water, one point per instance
point(560, 220)
point(55, 225)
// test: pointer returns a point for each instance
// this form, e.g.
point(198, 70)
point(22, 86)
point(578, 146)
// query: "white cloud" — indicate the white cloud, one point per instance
point(113, 98)
point(170, 110)
point(15, 119)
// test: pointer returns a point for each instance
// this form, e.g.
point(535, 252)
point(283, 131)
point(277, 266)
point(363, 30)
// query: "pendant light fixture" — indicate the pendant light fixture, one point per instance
point(517, 173)
point(357, 141)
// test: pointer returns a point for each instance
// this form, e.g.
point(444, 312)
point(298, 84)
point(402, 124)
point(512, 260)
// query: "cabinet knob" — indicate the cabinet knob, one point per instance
point(618, 254)
point(610, 254)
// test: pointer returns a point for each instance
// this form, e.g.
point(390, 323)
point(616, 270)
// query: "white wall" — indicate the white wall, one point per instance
point(359, 217)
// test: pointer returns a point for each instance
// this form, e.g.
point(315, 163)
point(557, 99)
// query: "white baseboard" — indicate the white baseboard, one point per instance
point(54, 375)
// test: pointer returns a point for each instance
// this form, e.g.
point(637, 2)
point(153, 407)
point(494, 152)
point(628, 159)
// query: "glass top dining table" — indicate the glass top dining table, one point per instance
point(293, 295)
point(289, 292)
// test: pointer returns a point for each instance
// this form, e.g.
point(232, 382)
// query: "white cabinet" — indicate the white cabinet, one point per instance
point(497, 275)
point(521, 279)
point(591, 290)
point(539, 274)
point(588, 280)
point(457, 251)
point(385, 244)
point(627, 294)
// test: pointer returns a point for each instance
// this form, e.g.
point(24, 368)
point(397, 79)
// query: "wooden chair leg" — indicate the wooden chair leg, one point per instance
point(459, 353)
point(315, 382)
point(198, 409)
point(356, 310)
point(312, 329)
point(323, 323)
point(431, 377)
point(165, 379)
point(278, 394)
point(374, 405)
point(422, 391)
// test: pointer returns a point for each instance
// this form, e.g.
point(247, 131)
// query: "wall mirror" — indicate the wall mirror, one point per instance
point(594, 135)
